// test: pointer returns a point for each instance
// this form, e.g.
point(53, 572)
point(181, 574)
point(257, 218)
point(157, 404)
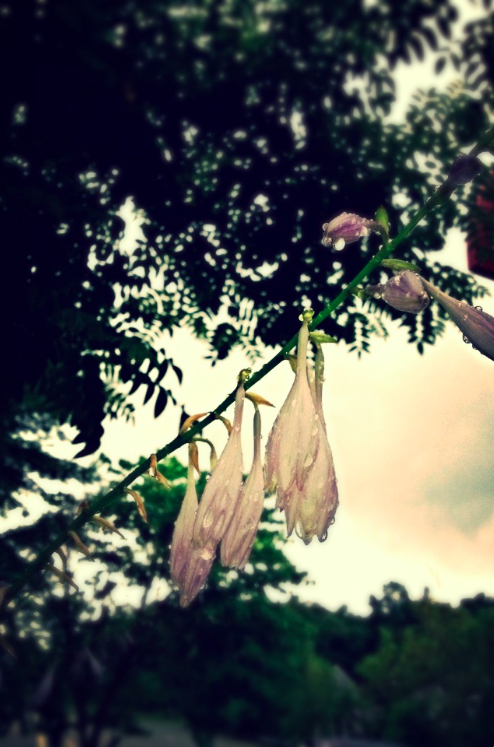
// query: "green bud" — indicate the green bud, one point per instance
point(359, 293)
point(244, 375)
point(399, 265)
point(306, 315)
point(383, 218)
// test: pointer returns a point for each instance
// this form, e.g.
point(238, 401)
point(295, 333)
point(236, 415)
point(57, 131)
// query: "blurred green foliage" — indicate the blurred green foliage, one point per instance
point(247, 659)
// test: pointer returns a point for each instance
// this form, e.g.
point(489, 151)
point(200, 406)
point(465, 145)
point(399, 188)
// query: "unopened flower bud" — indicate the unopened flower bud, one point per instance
point(318, 500)
point(293, 441)
point(464, 169)
point(239, 538)
point(222, 490)
point(347, 228)
point(406, 292)
point(189, 566)
point(476, 325)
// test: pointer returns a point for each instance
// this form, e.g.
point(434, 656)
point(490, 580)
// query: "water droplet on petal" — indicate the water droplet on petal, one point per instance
point(479, 308)
point(339, 244)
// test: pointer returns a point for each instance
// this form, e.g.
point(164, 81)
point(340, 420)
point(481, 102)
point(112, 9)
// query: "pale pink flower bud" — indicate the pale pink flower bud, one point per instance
point(294, 439)
point(222, 490)
point(347, 228)
point(476, 325)
point(197, 571)
point(318, 501)
point(189, 566)
point(404, 291)
point(182, 534)
point(237, 543)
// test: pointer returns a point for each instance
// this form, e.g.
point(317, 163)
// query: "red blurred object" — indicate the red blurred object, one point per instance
point(480, 241)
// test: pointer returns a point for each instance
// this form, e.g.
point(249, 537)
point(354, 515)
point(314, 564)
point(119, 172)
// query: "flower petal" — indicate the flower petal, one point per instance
point(476, 325)
point(222, 490)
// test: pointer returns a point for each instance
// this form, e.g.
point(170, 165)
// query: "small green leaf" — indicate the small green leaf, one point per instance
point(149, 393)
point(160, 403)
point(321, 337)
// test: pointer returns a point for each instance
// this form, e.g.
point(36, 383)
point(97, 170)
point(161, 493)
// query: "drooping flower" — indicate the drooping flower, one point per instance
point(347, 228)
point(189, 566)
point(404, 291)
point(294, 439)
point(222, 490)
point(476, 325)
point(182, 533)
point(319, 497)
point(237, 543)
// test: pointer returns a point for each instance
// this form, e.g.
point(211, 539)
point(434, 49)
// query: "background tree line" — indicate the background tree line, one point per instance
point(236, 662)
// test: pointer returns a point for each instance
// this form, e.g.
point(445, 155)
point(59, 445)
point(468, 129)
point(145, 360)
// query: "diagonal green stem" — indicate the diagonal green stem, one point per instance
point(440, 197)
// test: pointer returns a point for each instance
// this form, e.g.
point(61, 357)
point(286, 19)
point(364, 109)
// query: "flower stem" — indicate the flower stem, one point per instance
point(440, 197)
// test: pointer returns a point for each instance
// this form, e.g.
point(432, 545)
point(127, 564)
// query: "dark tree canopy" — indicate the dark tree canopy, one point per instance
point(238, 128)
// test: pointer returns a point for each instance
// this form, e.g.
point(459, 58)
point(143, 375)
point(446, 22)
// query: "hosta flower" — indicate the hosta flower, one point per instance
point(189, 566)
point(237, 543)
point(476, 325)
point(293, 441)
point(222, 490)
point(347, 228)
point(318, 500)
point(197, 571)
point(404, 291)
